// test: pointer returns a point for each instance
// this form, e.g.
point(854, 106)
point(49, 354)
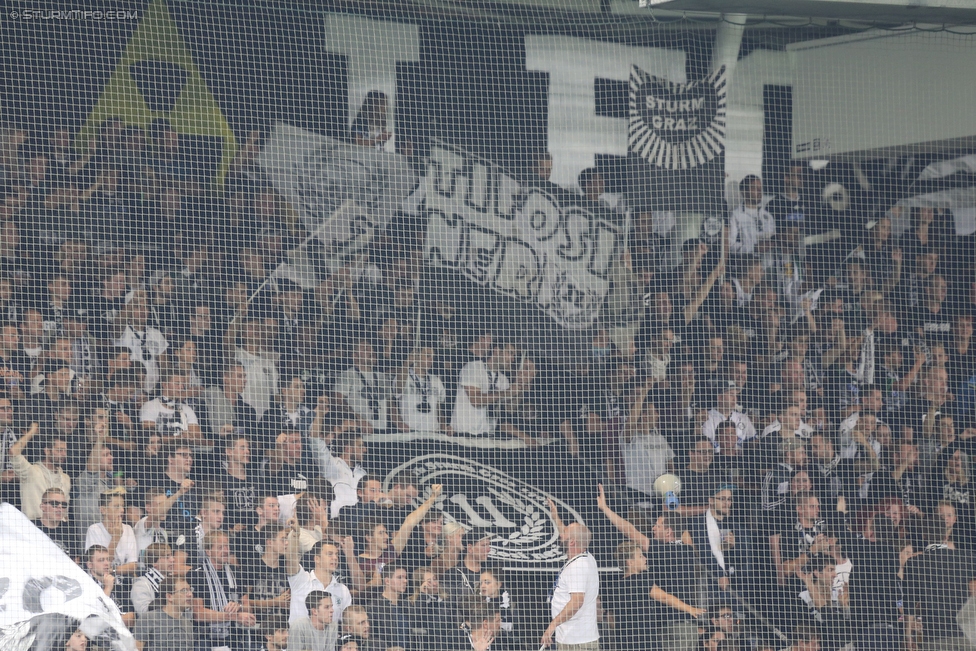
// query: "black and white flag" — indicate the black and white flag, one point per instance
point(343, 193)
point(539, 244)
point(42, 591)
point(677, 126)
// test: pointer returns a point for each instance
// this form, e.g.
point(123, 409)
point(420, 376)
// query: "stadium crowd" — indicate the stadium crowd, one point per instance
point(194, 431)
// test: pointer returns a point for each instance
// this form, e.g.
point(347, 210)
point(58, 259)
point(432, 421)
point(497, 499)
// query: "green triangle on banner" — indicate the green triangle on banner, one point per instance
point(193, 110)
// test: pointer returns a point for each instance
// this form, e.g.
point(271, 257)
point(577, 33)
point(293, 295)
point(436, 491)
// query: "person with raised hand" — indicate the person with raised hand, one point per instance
point(322, 577)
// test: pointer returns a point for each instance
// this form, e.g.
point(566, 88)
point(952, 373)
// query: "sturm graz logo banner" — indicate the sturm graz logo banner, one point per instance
point(676, 126)
point(480, 497)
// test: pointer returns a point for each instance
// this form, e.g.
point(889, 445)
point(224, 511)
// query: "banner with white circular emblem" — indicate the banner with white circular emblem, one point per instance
point(481, 497)
point(677, 126)
point(500, 491)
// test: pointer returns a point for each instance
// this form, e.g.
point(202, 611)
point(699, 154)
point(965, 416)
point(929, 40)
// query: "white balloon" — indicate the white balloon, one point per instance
point(667, 483)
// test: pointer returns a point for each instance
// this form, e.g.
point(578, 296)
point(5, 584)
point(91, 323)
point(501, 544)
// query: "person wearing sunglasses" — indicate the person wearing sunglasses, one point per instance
point(54, 523)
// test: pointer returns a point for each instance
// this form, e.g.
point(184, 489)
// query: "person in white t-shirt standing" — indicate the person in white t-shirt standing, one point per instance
point(113, 534)
point(485, 384)
point(574, 596)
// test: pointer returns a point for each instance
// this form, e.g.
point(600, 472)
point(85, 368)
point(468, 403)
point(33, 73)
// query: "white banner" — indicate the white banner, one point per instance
point(541, 244)
point(38, 582)
point(343, 193)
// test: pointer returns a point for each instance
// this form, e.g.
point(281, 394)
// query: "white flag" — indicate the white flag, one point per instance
point(40, 587)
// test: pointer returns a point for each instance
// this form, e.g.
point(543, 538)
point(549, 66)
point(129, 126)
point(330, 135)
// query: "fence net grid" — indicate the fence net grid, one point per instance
point(485, 326)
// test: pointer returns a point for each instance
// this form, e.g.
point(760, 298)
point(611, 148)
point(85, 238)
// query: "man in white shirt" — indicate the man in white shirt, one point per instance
point(113, 534)
point(725, 410)
point(145, 346)
point(483, 385)
point(345, 470)
point(751, 226)
point(364, 390)
point(169, 415)
point(574, 597)
point(260, 365)
point(422, 394)
point(322, 577)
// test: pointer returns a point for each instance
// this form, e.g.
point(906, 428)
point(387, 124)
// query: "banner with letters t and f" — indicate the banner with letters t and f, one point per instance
point(539, 244)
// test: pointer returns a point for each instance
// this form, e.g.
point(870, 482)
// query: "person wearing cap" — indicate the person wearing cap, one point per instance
point(722, 545)
point(465, 578)
point(725, 410)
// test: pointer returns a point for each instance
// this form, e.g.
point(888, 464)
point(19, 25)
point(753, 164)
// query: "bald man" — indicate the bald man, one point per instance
point(574, 597)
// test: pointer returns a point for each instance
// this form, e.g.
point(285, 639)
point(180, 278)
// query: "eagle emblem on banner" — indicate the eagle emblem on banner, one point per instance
point(676, 126)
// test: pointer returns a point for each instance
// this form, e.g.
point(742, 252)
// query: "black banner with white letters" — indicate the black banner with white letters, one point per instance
point(676, 142)
point(677, 126)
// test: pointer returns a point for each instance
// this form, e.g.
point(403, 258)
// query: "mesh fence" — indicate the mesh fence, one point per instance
point(481, 326)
